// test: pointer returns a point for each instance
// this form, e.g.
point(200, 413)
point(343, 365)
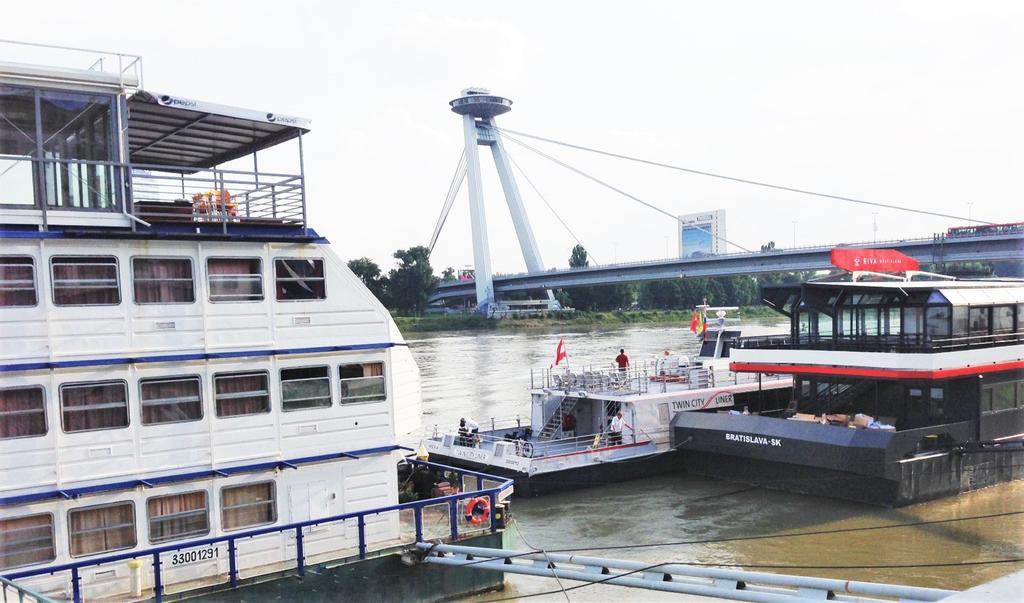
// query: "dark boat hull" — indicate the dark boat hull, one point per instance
point(880, 468)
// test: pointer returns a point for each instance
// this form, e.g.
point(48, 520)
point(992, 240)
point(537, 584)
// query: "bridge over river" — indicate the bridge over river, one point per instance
point(935, 250)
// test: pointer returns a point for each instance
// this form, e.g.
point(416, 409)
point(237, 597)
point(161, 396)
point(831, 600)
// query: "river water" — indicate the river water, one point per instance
point(485, 374)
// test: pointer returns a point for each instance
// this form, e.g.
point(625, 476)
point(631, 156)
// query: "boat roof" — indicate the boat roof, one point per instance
point(174, 131)
point(917, 285)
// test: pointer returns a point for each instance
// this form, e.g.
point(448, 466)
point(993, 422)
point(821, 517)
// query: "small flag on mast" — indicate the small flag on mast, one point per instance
point(693, 322)
point(560, 353)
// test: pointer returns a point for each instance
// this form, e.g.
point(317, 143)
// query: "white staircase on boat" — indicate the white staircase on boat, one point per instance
point(555, 420)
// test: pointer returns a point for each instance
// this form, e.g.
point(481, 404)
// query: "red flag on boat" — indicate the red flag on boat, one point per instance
point(693, 322)
point(560, 353)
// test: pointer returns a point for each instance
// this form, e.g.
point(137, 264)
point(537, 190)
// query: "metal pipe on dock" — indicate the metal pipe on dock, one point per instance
point(724, 583)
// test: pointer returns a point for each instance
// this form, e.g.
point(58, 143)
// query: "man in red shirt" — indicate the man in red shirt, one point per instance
point(622, 360)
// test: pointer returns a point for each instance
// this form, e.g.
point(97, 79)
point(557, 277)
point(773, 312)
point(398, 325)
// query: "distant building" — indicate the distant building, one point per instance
point(702, 234)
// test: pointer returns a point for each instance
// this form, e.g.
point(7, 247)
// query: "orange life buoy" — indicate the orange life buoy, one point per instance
point(478, 510)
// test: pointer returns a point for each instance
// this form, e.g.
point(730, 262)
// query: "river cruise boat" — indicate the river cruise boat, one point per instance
point(185, 364)
point(906, 389)
point(568, 441)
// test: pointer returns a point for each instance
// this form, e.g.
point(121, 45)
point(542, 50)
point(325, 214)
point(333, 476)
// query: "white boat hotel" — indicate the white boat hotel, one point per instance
point(182, 358)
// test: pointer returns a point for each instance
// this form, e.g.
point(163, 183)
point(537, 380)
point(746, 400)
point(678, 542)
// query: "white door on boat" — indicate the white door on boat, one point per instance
point(307, 501)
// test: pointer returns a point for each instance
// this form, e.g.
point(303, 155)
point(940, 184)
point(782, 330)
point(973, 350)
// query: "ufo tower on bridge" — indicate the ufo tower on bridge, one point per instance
point(478, 108)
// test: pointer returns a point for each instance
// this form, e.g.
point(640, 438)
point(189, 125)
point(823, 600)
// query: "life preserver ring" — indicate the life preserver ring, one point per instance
point(478, 510)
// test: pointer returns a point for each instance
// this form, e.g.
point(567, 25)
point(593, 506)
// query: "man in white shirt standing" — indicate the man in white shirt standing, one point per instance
point(474, 431)
point(615, 429)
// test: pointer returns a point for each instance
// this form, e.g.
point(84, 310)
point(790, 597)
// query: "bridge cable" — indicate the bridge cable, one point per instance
point(619, 190)
point(544, 199)
point(740, 180)
point(453, 191)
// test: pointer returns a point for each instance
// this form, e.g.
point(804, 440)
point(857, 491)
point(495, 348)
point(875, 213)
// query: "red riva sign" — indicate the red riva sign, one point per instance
point(874, 260)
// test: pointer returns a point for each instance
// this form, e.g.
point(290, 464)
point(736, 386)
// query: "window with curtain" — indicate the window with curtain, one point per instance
point(163, 281)
point(303, 388)
point(85, 281)
point(247, 506)
point(101, 529)
point(26, 540)
point(17, 281)
point(171, 400)
point(177, 516)
point(92, 406)
point(235, 279)
point(299, 279)
point(362, 382)
point(22, 412)
point(238, 394)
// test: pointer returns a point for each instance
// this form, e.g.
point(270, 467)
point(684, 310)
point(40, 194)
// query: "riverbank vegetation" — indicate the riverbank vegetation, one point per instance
point(564, 320)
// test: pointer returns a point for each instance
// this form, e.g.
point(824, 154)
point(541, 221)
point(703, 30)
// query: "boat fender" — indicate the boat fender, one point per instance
point(478, 510)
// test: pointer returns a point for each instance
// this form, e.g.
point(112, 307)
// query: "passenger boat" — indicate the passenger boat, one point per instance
point(184, 363)
point(907, 387)
point(567, 442)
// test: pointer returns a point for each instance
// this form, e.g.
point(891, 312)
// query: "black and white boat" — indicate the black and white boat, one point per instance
point(904, 390)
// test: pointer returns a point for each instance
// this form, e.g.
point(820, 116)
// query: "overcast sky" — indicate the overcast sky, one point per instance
point(911, 103)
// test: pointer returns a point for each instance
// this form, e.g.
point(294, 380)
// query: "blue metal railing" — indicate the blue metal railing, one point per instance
point(493, 494)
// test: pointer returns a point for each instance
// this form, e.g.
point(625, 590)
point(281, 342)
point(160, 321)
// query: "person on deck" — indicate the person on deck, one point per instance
point(622, 360)
point(615, 429)
point(569, 425)
point(473, 429)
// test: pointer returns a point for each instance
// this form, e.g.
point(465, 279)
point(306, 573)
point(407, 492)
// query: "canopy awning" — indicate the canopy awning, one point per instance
point(166, 130)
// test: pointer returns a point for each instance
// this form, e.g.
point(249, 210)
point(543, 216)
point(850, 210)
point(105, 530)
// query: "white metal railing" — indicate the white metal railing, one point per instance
point(515, 422)
point(533, 449)
point(126, 67)
point(631, 380)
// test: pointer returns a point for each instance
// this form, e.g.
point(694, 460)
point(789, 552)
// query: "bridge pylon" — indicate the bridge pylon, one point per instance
point(478, 108)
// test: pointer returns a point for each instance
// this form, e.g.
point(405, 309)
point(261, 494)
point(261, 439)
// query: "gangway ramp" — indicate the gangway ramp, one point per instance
point(727, 584)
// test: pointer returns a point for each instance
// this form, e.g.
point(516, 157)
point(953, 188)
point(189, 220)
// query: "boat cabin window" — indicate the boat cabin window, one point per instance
point(1001, 396)
point(171, 400)
point(979, 319)
point(77, 132)
point(17, 144)
point(937, 322)
point(163, 281)
point(177, 516)
point(17, 280)
point(240, 394)
point(247, 506)
point(85, 281)
point(22, 412)
point(60, 144)
point(101, 529)
point(1002, 319)
point(235, 279)
point(362, 382)
point(303, 388)
point(299, 279)
point(26, 540)
point(94, 406)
